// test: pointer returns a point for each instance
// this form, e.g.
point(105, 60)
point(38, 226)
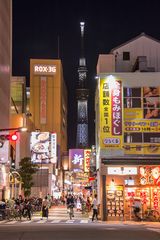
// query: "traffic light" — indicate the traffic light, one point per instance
point(13, 137)
point(10, 137)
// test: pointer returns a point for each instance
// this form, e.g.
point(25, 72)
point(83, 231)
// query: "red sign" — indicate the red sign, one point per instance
point(91, 179)
point(43, 101)
point(116, 109)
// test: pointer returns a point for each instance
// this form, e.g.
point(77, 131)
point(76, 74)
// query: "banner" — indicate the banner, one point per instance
point(110, 113)
point(87, 158)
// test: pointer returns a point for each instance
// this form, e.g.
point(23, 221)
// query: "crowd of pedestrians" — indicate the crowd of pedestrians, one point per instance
point(19, 208)
point(25, 207)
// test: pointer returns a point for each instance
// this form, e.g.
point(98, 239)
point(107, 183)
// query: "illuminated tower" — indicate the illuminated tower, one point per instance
point(82, 94)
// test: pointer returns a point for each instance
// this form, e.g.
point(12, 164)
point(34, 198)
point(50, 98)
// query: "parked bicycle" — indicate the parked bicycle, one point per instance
point(152, 215)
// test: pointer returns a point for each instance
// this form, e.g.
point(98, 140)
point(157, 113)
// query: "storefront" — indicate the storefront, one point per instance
point(125, 184)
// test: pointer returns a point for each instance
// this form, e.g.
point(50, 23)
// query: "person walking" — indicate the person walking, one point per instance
point(95, 208)
point(45, 206)
point(70, 203)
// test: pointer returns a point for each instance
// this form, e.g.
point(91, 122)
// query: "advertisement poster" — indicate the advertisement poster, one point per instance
point(40, 147)
point(142, 120)
point(110, 113)
point(150, 175)
point(151, 102)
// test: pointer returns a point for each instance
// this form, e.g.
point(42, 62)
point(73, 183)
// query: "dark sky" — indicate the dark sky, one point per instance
point(108, 23)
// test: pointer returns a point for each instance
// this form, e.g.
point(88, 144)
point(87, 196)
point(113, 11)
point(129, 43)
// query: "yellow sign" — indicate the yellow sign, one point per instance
point(142, 148)
point(110, 113)
point(143, 125)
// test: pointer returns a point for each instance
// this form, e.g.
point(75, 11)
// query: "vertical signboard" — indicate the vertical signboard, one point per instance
point(110, 113)
point(116, 109)
point(76, 158)
point(53, 147)
point(87, 157)
point(43, 97)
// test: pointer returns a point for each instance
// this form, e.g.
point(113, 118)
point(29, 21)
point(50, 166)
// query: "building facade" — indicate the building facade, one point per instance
point(5, 74)
point(48, 108)
point(127, 128)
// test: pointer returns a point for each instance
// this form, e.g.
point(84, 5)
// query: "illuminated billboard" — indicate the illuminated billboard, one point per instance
point(43, 147)
point(129, 118)
point(87, 158)
point(110, 113)
point(76, 159)
point(142, 120)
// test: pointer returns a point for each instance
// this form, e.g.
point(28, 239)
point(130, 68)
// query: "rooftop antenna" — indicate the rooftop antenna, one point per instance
point(82, 38)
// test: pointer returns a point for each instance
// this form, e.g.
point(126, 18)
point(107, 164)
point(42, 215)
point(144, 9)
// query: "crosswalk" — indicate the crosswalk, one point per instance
point(57, 215)
point(56, 221)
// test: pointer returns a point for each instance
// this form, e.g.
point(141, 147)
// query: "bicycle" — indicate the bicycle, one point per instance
point(152, 215)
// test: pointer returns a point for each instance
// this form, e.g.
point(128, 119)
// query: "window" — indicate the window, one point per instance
point(132, 97)
point(126, 56)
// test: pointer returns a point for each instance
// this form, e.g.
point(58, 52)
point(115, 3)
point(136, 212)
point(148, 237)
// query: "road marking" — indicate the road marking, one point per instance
point(3, 221)
point(110, 228)
point(12, 222)
point(26, 221)
point(154, 229)
point(55, 221)
point(84, 221)
point(41, 221)
point(70, 221)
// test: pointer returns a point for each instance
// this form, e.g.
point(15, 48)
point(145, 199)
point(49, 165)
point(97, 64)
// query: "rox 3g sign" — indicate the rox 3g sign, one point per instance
point(45, 69)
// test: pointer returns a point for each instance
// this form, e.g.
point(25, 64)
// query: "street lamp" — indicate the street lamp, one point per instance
point(17, 129)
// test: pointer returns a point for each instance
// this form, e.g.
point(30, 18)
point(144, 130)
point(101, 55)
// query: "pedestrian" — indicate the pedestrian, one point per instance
point(70, 203)
point(45, 206)
point(28, 208)
point(137, 208)
point(95, 208)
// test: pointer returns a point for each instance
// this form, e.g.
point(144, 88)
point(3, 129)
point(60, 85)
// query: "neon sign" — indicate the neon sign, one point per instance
point(47, 69)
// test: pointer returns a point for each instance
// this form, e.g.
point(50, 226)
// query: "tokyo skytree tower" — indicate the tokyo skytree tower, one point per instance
point(82, 94)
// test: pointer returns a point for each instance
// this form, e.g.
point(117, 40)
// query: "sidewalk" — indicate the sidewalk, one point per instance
point(60, 213)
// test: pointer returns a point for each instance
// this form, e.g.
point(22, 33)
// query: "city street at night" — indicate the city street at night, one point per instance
point(59, 226)
point(79, 120)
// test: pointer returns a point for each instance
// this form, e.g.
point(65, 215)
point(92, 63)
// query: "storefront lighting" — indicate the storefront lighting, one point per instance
point(111, 82)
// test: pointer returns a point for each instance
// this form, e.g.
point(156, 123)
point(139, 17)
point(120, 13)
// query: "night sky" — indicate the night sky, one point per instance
point(37, 25)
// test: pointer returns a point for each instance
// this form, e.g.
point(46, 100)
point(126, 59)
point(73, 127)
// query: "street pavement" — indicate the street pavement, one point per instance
point(59, 215)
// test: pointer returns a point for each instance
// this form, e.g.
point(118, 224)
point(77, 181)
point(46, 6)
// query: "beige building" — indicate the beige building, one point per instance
point(127, 106)
point(48, 107)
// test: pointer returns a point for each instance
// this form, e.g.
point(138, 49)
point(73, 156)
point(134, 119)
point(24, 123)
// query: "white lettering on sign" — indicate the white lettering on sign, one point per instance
point(111, 141)
point(47, 69)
